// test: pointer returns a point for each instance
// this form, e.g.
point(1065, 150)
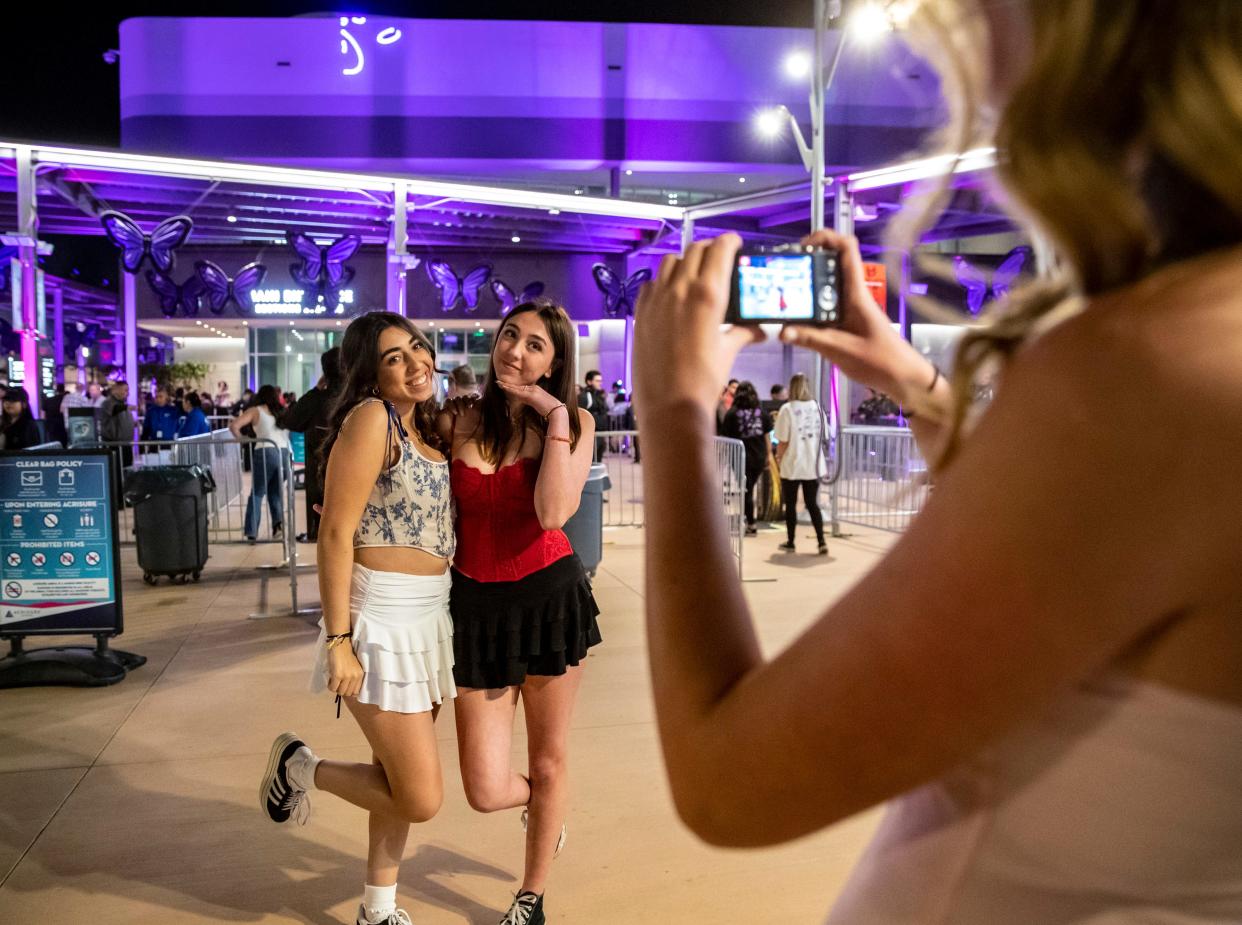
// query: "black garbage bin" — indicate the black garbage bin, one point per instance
point(170, 520)
point(586, 528)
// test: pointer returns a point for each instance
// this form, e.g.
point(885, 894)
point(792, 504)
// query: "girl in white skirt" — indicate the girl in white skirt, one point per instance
point(385, 541)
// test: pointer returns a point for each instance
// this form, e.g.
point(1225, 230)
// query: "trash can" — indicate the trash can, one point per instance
point(586, 528)
point(170, 520)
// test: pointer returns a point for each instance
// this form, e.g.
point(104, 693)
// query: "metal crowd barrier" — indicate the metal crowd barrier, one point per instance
point(221, 454)
point(623, 502)
point(883, 481)
point(731, 476)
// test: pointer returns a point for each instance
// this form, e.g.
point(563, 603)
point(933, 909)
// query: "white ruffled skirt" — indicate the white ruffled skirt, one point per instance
point(403, 636)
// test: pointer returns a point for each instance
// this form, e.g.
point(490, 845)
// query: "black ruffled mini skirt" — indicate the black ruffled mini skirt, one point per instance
point(540, 625)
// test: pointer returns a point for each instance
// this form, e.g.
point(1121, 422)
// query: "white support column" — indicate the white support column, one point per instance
point(817, 117)
point(58, 330)
point(129, 309)
point(395, 267)
point(687, 232)
point(28, 231)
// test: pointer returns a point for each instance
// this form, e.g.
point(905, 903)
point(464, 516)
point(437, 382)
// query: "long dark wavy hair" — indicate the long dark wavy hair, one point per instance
point(497, 429)
point(746, 398)
point(268, 396)
point(360, 378)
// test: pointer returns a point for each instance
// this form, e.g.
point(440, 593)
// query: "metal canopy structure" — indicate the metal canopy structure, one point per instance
point(59, 190)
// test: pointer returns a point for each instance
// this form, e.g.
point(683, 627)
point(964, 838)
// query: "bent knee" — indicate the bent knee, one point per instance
point(486, 796)
point(548, 769)
point(419, 806)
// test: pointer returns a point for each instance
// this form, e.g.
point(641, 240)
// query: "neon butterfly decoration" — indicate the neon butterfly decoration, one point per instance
point(452, 287)
point(137, 246)
point(508, 299)
point(220, 291)
point(619, 295)
point(322, 272)
point(977, 282)
point(185, 298)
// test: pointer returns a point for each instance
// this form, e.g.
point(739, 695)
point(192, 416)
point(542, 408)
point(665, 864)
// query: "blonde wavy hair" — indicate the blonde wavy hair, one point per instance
point(1113, 87)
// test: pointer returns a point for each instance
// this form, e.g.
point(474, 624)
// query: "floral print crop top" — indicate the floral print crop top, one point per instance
point(411, 503)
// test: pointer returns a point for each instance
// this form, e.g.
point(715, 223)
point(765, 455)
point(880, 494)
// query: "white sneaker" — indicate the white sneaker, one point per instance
point(560, 842)
point(396, 917)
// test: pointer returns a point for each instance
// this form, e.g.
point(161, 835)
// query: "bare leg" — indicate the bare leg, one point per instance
point(485, 746)
point(549, 705)
point(406, 782)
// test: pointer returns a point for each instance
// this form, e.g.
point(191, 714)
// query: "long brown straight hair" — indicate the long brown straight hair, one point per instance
point(360, 376)
point(497, 430)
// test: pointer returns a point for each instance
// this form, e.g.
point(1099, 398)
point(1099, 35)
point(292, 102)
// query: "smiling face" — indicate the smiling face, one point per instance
point(406, 367)
point(524, 353)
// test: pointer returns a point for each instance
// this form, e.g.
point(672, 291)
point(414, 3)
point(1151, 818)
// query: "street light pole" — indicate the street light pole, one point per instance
point(817, 116)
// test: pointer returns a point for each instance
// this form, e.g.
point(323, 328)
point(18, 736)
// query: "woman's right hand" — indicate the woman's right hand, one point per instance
point(344, 671)
point(866, 347)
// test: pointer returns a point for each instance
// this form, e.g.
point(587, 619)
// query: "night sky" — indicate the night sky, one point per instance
point(58, 88)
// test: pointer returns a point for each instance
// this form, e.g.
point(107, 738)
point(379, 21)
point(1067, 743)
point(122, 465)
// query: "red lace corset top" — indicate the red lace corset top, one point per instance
point(499, 537)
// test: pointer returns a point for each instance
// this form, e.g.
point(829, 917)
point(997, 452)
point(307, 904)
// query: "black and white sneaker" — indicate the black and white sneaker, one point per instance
point(527, 909)
point(396, 917)
point(280, 797)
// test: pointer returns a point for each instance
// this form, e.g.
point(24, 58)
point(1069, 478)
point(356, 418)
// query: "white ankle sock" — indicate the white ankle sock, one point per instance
point(302, 768)
point(378, 902)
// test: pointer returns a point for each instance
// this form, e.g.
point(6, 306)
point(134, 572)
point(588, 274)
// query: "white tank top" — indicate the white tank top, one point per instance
point(1121, 806)
point(265, 429)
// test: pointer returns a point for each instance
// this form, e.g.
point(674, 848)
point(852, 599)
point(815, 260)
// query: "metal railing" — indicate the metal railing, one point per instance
point(731, 477)
point(883, 481)
point(623, 502)
point(222, 455)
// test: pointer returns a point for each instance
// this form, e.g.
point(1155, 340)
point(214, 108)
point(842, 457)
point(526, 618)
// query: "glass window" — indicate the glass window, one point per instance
point(451, 343)
point(269, 340)
point(479, 343)
point(271, 370)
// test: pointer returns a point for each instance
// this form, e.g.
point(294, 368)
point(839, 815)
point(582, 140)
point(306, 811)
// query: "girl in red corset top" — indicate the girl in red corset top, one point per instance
point(523, 614)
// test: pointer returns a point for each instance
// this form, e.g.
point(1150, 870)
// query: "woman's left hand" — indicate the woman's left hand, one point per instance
point(681, 351)
point(535, 396)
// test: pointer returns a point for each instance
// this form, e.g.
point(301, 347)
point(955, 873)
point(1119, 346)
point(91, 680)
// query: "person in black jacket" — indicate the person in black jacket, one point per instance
point(309, 415)
point(18, 429)
point(593, 399)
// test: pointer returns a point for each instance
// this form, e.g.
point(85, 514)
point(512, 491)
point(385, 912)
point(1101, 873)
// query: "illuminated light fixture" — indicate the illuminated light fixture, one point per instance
point(769, 123)
point(86, 352)
point(267, 175)
point(198, 322)
point(245, 324)
point(870, 22)
point(554, 211)
point(232, 219)
point(288, 349)
point(741, 179)
point(290, 324)
point(516, 239)
point(797, 65)
point(629, 173)
point(338, 322)
point(923, 169)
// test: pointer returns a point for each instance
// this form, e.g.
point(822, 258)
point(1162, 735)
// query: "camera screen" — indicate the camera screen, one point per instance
point(775, 287)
